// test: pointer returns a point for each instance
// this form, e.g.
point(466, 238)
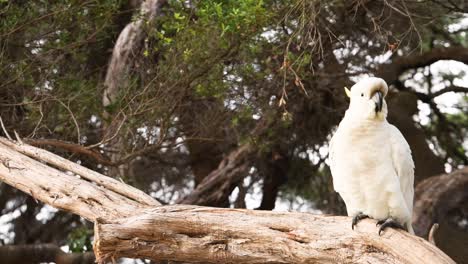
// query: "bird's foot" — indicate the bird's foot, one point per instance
point(358, 218)
point(388, 222)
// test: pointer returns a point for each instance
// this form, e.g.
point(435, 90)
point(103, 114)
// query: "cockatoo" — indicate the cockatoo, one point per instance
point(370, 160)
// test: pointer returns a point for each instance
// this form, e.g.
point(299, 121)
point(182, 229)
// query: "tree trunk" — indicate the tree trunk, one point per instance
point(126, 227)
point(274, 169)
point(436, 196)
point(402, 107)
point(126, 48)
point(443, 199)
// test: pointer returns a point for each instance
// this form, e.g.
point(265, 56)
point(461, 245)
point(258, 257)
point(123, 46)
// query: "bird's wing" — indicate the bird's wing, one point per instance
point(331, 152)
point(339, 171)
point(332, 149)
point(403, 164)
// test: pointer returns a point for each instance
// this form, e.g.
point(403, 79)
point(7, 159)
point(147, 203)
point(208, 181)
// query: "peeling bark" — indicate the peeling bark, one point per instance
point(215, 235)
point(22, 167)
point(125, 227)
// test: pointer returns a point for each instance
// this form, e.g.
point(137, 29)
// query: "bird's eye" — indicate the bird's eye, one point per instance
point(362, 95)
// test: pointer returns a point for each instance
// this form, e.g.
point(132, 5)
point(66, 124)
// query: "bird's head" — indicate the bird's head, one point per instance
point(367, 99)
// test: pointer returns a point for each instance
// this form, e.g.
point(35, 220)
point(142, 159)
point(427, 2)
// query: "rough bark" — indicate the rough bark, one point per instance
point(125, 227)
point(38, 253)
point(64, 164)
point(436, 196)
point(83, 192)
point(215, 235)
point(443, 200)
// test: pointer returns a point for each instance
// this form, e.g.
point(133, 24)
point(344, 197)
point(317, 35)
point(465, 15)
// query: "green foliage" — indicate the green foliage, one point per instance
point(79, 240)
point(53, 54)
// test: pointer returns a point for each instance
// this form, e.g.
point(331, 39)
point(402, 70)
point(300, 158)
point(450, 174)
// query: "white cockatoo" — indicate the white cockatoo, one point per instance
point(370, 160)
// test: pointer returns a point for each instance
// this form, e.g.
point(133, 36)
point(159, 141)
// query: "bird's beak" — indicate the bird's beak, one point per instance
point(378, 99)
point(348, 92)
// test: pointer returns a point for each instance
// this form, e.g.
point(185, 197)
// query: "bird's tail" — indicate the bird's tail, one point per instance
point(410, 228)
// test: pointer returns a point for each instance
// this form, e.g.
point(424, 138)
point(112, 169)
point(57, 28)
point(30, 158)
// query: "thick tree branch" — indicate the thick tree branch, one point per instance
point(106, 182)
point(215, 235)
point(38, 253)
point(126, 49)
point(125, 227)
point(436, 196)
point(391, 72)
point(22, 167)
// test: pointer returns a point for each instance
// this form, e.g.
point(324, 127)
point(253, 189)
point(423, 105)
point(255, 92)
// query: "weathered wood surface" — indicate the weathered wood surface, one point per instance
point(130, 227)
point(67, 185)
point(216, 235)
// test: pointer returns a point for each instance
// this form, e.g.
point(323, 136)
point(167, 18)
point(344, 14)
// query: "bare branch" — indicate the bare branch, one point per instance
point(39, 253)
point(452, 88)
point(218, 235)
point(128, 42)
point(4, 129)
point(127, 228)
point(22, 167)
point(432, 233)
point(391, 72)
point(69, 146)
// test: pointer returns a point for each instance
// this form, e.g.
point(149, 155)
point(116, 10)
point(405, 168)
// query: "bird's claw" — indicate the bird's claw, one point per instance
point(358, 218)
point(389, 222)
point(380, 222)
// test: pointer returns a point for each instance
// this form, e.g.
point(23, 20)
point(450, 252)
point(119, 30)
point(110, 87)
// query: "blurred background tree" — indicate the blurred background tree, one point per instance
point(160, 94)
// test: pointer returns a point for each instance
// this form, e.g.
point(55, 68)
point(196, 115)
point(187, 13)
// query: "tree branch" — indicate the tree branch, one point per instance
point(69, 146)
point(436, 196)
point(216, 235)
point(107, 182)
point(452, 88)
point(391, 72)
point(22, 167)
point(125, 227)
point(38, 253)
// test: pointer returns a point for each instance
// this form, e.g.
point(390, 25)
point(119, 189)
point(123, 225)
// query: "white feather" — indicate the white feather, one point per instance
point(370, 160)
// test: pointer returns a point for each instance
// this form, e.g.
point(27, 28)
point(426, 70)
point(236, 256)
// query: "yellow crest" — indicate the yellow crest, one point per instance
point(347, 91)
